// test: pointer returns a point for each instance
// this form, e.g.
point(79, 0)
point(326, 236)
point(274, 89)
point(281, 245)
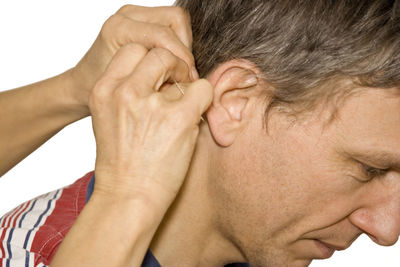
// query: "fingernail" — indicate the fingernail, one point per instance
point(195, 74)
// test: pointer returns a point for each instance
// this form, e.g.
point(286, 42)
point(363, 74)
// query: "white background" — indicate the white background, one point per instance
point(40, 39)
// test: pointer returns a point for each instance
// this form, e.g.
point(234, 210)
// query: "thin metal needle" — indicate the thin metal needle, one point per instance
point(177, 84)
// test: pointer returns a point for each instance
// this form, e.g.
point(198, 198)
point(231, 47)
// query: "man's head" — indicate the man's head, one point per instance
point(327, 176)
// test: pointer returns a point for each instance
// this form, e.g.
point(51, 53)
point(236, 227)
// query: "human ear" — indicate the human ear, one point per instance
point(234, 83)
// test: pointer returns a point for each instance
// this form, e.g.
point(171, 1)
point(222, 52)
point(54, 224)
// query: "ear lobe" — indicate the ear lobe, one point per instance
point(221, 126)
point(234, 83)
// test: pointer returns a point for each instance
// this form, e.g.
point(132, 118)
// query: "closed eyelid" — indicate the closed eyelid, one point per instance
point(378, 160)
point(372, 172)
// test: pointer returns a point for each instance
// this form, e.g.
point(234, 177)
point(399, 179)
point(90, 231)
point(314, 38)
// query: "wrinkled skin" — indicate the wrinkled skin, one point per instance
point(278, 193)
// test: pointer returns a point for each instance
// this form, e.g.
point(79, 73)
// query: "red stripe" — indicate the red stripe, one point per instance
point(67, 208)
point(5, 218)
point(5, 228)
point(14, 224)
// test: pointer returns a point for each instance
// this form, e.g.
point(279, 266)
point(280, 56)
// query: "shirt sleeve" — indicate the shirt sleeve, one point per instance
point(15, 236)
point(31, 233)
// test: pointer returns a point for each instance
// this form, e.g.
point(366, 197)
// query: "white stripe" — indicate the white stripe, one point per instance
point(20, 260)
point(19, 234)
point(7, 220)
point(12, 212)
point(40, 207)
point(23, 207)
point(31, 260)
point(8, 228)
point(30, 218)
point(2, 218)
point(26, 208)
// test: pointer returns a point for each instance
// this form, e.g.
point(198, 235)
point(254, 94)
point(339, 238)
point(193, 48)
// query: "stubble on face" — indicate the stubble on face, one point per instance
point(277, 193)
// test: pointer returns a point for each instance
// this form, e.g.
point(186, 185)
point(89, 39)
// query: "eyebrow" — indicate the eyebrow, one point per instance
point(381, 159)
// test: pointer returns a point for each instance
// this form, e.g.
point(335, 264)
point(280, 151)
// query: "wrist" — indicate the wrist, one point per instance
point(127, 226)
point(75, 93)
point(139, 207)
point(112, 189)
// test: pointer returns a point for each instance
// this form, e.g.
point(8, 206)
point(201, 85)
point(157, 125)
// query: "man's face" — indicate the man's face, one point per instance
point(302, 191)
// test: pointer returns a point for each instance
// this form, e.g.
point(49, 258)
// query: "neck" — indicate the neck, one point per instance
point(188, 234)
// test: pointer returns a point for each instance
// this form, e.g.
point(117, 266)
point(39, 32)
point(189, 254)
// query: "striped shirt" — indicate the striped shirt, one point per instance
point(31, 233)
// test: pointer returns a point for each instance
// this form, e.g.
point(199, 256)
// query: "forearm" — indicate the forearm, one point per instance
point(110, 232)
point(32, 114)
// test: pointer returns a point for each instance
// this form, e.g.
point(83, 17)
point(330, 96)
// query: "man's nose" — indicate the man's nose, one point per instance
point(380, 222)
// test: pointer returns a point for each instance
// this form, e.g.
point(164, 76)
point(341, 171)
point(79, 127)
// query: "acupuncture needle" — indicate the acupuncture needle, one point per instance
point(176, 83)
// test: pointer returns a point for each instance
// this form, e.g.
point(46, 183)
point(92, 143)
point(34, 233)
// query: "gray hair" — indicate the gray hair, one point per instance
point(300, 45)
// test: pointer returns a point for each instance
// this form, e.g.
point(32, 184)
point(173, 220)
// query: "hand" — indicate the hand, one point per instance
point(145, 136)
point(164, 27)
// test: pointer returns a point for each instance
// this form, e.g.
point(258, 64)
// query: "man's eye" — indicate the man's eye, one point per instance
point(371, 172)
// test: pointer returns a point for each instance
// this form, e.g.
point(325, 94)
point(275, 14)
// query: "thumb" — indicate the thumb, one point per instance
point(198, 97)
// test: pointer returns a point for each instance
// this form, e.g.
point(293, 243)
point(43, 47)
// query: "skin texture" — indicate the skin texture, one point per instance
point(145, 138)
point(267, 197)
point(146, 132)
point(249, 195)
point(134, 109)
point(32, 114)
point(302, 183)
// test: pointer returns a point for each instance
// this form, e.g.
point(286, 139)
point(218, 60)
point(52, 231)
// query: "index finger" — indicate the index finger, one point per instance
point(177, 18)
point(126, 30)
point(157, 67)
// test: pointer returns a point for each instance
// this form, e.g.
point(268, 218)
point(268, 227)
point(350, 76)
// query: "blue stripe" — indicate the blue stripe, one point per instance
point(40, 218)
point(23, 216)
point(9, 247)
point(9, 241)
point(26, 258)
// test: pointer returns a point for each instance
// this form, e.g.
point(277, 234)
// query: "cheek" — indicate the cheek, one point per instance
point(259, 189)
point(285, 184)
point(311, 188)
point(271, 191)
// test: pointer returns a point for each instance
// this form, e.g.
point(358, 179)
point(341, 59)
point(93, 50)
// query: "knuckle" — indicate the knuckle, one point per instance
point(155, 102)
point(167, 38)
point(99, 93)
point(101, 86)
point(181, 14)
point(111, 24)
point(125, 8)
point(134, 49)
point(124, 96)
